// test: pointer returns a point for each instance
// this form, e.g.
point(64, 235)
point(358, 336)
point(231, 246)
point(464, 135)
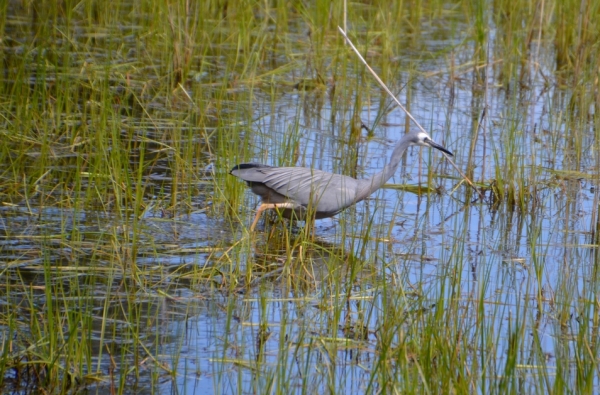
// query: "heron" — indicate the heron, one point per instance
point(298, 192)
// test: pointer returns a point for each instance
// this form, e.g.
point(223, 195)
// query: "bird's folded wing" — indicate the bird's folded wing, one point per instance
point(326, 192)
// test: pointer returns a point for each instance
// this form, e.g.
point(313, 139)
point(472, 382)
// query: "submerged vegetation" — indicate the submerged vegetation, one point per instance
point(126, 261)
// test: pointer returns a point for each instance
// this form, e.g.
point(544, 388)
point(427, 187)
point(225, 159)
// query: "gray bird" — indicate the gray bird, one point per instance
point(298, 192)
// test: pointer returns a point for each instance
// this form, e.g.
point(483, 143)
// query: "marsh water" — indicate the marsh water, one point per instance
point(125, 250)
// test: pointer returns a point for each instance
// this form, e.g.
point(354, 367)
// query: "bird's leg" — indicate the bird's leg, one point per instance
point(266, 206)
point(261, 208)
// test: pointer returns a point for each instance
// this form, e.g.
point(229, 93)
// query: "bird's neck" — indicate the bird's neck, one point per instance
point(369, 185)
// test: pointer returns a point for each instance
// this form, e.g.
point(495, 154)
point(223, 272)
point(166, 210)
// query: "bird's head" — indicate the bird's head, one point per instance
point(423, 139)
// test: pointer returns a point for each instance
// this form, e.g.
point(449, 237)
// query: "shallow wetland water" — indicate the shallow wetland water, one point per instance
point(125, 253)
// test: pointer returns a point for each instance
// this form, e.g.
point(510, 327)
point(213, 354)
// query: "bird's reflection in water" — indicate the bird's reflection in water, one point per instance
point(293, 255)
point(297, 257)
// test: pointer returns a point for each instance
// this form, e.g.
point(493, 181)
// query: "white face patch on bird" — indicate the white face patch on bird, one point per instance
point(425, 140)
point(422, 137)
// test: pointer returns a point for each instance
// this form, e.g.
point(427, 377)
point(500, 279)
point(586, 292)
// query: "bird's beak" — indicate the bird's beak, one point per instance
point(435, 145)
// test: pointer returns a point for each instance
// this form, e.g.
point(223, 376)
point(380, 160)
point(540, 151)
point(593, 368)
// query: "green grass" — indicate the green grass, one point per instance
point(126, 261)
